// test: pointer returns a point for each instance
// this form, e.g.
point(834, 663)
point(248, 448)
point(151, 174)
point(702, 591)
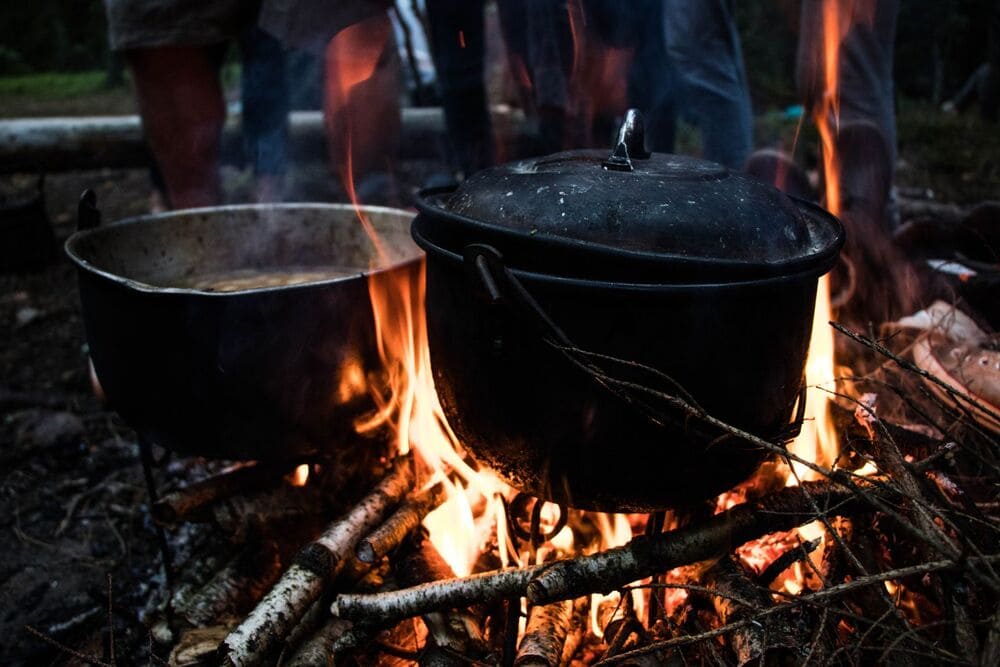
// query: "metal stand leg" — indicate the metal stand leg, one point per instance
point(146, 453)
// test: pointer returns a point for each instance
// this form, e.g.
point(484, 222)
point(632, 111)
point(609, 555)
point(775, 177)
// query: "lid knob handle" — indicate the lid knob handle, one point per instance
point(630, 144)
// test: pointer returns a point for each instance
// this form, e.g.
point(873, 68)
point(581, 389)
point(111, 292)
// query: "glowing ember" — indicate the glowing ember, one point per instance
point(300, 475)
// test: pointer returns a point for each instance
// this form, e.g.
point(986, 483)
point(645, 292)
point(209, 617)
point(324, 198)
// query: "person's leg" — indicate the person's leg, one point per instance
point(361, 104)
point(458, 44)
point(702, 42)
point(867, 91)
point(652, 79)
point(180, 100)
point(540, 39)
point(264, 93)
point(866, 94)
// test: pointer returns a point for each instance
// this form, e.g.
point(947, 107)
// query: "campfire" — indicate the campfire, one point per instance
point(862, 539)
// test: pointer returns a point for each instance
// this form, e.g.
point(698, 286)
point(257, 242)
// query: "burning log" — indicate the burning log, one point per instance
point(182, 504)
point(545, 636)
point(456, 634)
point(738, 598)
point(402, 522)
point(244, 515)
point(645, 556)
point(578, 626)
point(312, 640)
point(395, 606)
point(786, 560)
point(612, 569)
point(315, 566)
point(818, 597)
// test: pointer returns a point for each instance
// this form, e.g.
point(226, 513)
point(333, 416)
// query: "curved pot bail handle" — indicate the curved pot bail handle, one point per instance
point(486, 265)
point(88, 216)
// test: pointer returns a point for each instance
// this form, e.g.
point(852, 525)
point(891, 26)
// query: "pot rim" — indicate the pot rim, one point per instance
point(454, 258)
point(427, 203)
point(75, 239)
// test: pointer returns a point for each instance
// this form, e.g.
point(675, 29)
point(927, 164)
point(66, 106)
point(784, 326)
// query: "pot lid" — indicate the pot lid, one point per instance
point(648, 207)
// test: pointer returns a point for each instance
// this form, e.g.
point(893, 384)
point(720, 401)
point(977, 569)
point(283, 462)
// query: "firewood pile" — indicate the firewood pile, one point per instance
point(891, 555)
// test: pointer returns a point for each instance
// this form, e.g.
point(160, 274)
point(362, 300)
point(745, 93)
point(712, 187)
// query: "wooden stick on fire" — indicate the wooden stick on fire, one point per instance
point(545, 635)
point(402, 522)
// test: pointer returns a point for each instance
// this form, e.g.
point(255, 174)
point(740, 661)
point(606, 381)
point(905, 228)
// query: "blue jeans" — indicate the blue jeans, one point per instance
point(264, 93)
point(704, 49)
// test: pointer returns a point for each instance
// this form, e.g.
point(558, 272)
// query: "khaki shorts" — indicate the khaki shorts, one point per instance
point(310, 24)
point(136, 24)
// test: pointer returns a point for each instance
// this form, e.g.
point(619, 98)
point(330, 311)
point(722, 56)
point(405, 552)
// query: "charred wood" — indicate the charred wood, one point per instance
point(772, 642)
point(545, 635)
point(578, 626)
point(317, 651)
point(316, 565)
point(182, 504)
point(234, 589)
point(786, 560)
point(456, 634)
point(298, 507)
point(820, 597)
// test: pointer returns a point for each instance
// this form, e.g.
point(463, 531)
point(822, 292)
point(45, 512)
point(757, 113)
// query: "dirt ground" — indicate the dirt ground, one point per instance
point(72, 512)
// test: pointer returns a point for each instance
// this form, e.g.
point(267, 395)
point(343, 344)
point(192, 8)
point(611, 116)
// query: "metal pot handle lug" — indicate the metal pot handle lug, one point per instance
point(88, 216)
point(630, 144)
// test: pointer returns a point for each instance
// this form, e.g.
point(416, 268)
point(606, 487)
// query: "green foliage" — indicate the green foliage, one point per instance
point(954, 155)
point(52, 85)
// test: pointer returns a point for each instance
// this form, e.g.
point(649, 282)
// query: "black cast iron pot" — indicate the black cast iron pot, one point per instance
point(270, 372)
point(560, 289)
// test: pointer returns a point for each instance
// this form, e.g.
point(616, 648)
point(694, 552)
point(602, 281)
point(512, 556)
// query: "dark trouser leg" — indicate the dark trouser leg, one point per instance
point(264, 92)
point(702, 42)
point(458, 43)
point(866, 95)
point(540, 38)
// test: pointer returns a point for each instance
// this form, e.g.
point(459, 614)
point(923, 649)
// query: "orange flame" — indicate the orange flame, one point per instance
point(818, 439)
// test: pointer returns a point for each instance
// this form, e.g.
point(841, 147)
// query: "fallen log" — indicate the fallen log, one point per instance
point(99, 142)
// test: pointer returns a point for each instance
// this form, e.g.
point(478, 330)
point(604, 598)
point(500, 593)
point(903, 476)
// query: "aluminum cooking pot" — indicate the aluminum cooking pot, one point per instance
point(561, 289)
point(241, 332)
